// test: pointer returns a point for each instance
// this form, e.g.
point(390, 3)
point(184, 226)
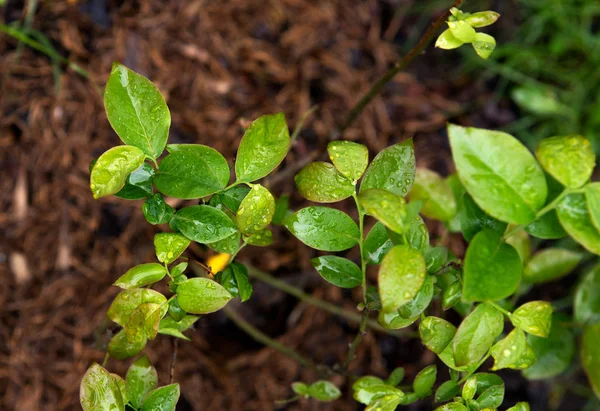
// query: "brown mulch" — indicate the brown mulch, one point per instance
point(219, 64)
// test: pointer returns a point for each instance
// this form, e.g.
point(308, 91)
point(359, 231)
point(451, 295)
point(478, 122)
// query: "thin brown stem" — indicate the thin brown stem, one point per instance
point(173, 360)
point(362, 331)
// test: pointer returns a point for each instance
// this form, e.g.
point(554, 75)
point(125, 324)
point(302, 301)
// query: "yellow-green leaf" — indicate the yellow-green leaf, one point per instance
point(534, 317)
point(99, 391)
point(169, 246)
point(110, 172)
point(141, 275)
point(256, 210)
point(350, 159)
point(322, 183)
point(387, 207)
point(569, 159)
point(202, 296)
point(574, 216)
point(401, 275)
point(435, 192)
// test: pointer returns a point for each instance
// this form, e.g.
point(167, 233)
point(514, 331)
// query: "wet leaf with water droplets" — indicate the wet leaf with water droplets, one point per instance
point(453, 406)
point(323, 228)
point(462, 31)
point(143, 321)
point(387, 207)
point(139, 184)
point(447, 41)
point(473, 219)
point(351, 159)
point(169, 326)
point(569, 159)
point(401, 275)
point(436, 333)
point(261, 239)
point(484, 45)
point(592, 195)
point(393, 169)
point(204, 224)
point(513, 352)
point(263, 147)
point(550, 264)
point(156, 210)
point(202, 296)
point(121, 348)
point(499, 173)
point(230, 198)
point(435, 192)
point(141, 275)
point(534, 317)
point(590, 355)
point(322, 183)
point(191, 171)
point(137, 111)
point(99, 391)
point(169, 246)
point(162, 399)
point(127, 301)
point(546, 227)
point(338, 271)
point(256, 210)
point(141, 378)
point(377, 244)
point(111, 170)
point(424, 381)
point(520, 406)
point(482, 18)
point(586, 306)
point(574, 216)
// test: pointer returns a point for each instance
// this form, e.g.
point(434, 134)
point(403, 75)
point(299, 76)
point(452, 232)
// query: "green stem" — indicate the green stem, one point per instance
point(106, 358)
point(466, 377)
point(502, 310)
point(363, 263)
point(423, 42)
point(301, 123)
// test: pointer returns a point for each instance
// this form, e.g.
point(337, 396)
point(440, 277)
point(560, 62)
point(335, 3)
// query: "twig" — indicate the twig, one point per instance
point(301, 123)
point(362, 331)
point(173, 360)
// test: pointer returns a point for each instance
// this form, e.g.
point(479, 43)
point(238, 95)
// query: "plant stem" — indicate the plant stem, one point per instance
point(105, 361)
point(423, 42)
point(502, 310)
point(363, 264)
point(173, 360)
point(301, 123)
point(466, 377)
point(362, 331)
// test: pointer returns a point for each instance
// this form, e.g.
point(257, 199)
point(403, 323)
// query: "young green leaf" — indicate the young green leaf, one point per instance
point(204, 224)
point(156, 210)
point(235, 280)
point(482, 18)
point(110, 172)
point(424, 381)
point(169, 246)
point(462, 31)
point(554, 353)
point(141, 275)
point(127, 301)
point(395, 377)
point(143, 321)
point(436, 333)
point(499, 173)
point(377, 244)
point(140, 380)
point(492, 397)
point(520, 406)
point(416, 236)
point(447, 41)
point(592, 195)
point(453, 406)
point(420, 301)
point(401, 276)
point(323, 391)
point(469, 389)
point(476, 334)
point(168, 326)
point(447, 391)
point(121, 348)
point(263, 147)
point(393, 169)
point(366, 388)
point(191, 171)
point(162, 399)
point(438, 199)
point(350, 159)
point(338, 271)
point(473, 219)
point(512, 352)
point(484, 45)
point(175, 311)
point(282, 208)
point(122, 387)
point(139, 184)
point(534, 317)
point(569, 159)
point(435, 257)
point(179, 269)
point(521, 242)
point(256, 210)
point(586, 306)
point(228, 245)
point(385, 206)
point(550, 264)
point(448, 358)
point(394, 321)
point(99, 391)
point(322, 183)
point(451, 295)
point(323, 228)
point(492, 269)
point(137, 111)
point(590, 355)
point(574, 216)
point(261, 239)
point(202, 296)
point(388, 402)
point(546, 226)
point(231, 198)
point(300, 388)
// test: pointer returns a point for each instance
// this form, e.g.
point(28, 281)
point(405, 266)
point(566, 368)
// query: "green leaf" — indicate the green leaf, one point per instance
point(366, 388)
point(230, 244)
point(451, 295)
point(448, 358)
point(230, 198)
point(462, 31)
point(476, 334)
point(511, 352)
point(202, 296)
point(322, 183)
point(436, 333)
point(127, 301)
point(156, 210)
point(323, 228)
point(168, 326)
point(401, 276)
point(435, 257)
point(282, 205)
point(387, 207)
point(395, 377)
point(338, 271)
point(438, 199)
point(590, 355)
point(394, 321)
point(453, 406)
point(235, 280)
point(141, 379)
point(122, 388)
point(499, 173)
point(550, 264)
point(520, 406)
point(521, 242)
point(473, 219)
point(546, 226)
point(592, 195)
point(99, 391)
point(482, 18)
point(447, 41)
point(191, 171)
point(175, 311)
point(420, 301)
point(586, 306)
point(121, 348)
point(469, 389)
point(143, 322)
point(139, 184)
point(162, 399)
point(492, 397)
point(484, 45)
point(263, 147)
point(424, 381)
point(350, 159)
point(393, 169)
point(416, 237)
point(261, 239)
point(387, 402)
point(538, 99)
point(169, 246)
point(492, 269)
point(110, 172)
point(141, 275)
point(534, 317)
point(204, 224)
point(554, 354)
point(179, 269)
point(256, 210)
point(377, 244)
point(575, 218)
point(137, 111)
point(447, 391)
point(323, 391)
point(569, 159)
point(300, 388)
